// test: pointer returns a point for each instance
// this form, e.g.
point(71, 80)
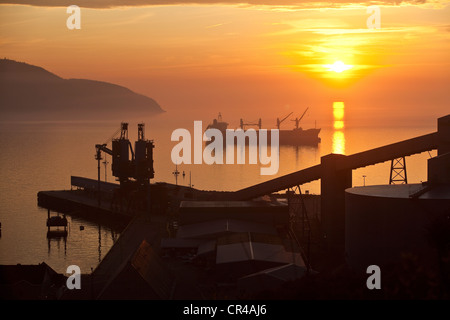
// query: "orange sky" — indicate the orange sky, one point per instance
point(250, 61)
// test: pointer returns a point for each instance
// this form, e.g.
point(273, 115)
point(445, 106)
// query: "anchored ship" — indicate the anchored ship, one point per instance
point(294, 137)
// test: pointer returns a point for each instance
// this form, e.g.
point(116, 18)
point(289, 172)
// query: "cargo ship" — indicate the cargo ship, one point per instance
point(294, 137)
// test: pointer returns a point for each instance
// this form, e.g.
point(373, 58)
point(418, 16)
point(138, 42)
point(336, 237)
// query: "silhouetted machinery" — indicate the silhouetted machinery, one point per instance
point(133, 173)
point(297, 120)
point(279, 122)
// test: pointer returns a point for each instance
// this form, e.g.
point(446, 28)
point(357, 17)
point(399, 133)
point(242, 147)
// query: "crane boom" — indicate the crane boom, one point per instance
point(303, 114)
point(104, 148)
point(280, 121)
point(286, 117)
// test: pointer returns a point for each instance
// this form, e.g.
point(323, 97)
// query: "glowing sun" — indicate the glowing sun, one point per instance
point(338, 66)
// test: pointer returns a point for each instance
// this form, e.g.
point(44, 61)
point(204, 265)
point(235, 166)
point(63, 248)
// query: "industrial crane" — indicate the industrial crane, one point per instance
point(297, 120)
point(280, 121)
point(139, 167)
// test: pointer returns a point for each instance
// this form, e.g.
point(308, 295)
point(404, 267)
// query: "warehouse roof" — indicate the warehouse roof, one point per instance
point(423, 191)
point(245, 247)
point(229, 204)
point(216, 228)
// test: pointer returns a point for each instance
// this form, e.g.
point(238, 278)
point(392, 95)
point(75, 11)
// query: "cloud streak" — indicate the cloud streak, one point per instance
point(275, 3)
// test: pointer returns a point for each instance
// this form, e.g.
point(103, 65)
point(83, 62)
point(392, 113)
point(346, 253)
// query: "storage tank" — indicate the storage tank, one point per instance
point(383, 222)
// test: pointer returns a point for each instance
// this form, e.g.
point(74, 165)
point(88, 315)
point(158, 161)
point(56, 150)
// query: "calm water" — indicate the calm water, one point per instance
point(43, 156)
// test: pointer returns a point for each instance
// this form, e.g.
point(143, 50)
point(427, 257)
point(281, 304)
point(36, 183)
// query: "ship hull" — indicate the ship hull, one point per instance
point(299, 137)
point(295, 137)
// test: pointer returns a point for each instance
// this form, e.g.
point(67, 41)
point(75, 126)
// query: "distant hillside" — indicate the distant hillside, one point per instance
point(29, 92)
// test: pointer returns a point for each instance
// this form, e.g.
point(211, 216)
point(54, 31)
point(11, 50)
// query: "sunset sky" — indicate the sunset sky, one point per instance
point(256, 59)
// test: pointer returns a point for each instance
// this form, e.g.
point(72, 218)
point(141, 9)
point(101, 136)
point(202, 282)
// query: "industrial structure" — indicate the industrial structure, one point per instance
point(251, 235)
point(133, 173)
point(385, 222)
point(335, 174)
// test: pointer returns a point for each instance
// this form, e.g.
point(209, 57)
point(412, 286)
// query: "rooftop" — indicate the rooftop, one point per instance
point(423, 191)
point(211, 229)
point(229, 204)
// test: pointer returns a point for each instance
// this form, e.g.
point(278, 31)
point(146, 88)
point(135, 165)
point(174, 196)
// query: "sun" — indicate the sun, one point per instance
point(338, 67)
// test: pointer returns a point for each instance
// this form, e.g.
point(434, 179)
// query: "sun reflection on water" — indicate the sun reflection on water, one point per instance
point(338, 142)
point(338, 125)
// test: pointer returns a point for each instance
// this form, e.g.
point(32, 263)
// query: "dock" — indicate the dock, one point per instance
point(81, 203)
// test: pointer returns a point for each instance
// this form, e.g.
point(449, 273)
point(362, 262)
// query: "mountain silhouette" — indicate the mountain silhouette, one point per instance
point(30, 92)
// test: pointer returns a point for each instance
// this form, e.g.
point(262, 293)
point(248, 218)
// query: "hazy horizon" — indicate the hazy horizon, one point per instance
point(250, 61)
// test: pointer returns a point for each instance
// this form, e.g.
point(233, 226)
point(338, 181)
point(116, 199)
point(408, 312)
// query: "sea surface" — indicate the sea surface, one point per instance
point(38, 156)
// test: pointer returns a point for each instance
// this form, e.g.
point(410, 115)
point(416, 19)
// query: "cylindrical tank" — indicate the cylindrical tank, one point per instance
point(384, 222)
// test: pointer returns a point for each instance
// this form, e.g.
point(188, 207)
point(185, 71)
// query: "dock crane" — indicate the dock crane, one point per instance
point(297, 120)
point(133, 174)
point(280, 121)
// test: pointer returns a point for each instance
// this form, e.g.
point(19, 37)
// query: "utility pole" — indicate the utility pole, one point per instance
point(176, 173)
point(98, 157)
point(105, 163)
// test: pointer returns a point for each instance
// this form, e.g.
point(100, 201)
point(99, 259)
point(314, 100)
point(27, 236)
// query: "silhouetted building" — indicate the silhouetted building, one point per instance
point(30, 282)
point(246, 253)
point(217, 228)
point(271, 279)
point(274, 213)
point(143, 276)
